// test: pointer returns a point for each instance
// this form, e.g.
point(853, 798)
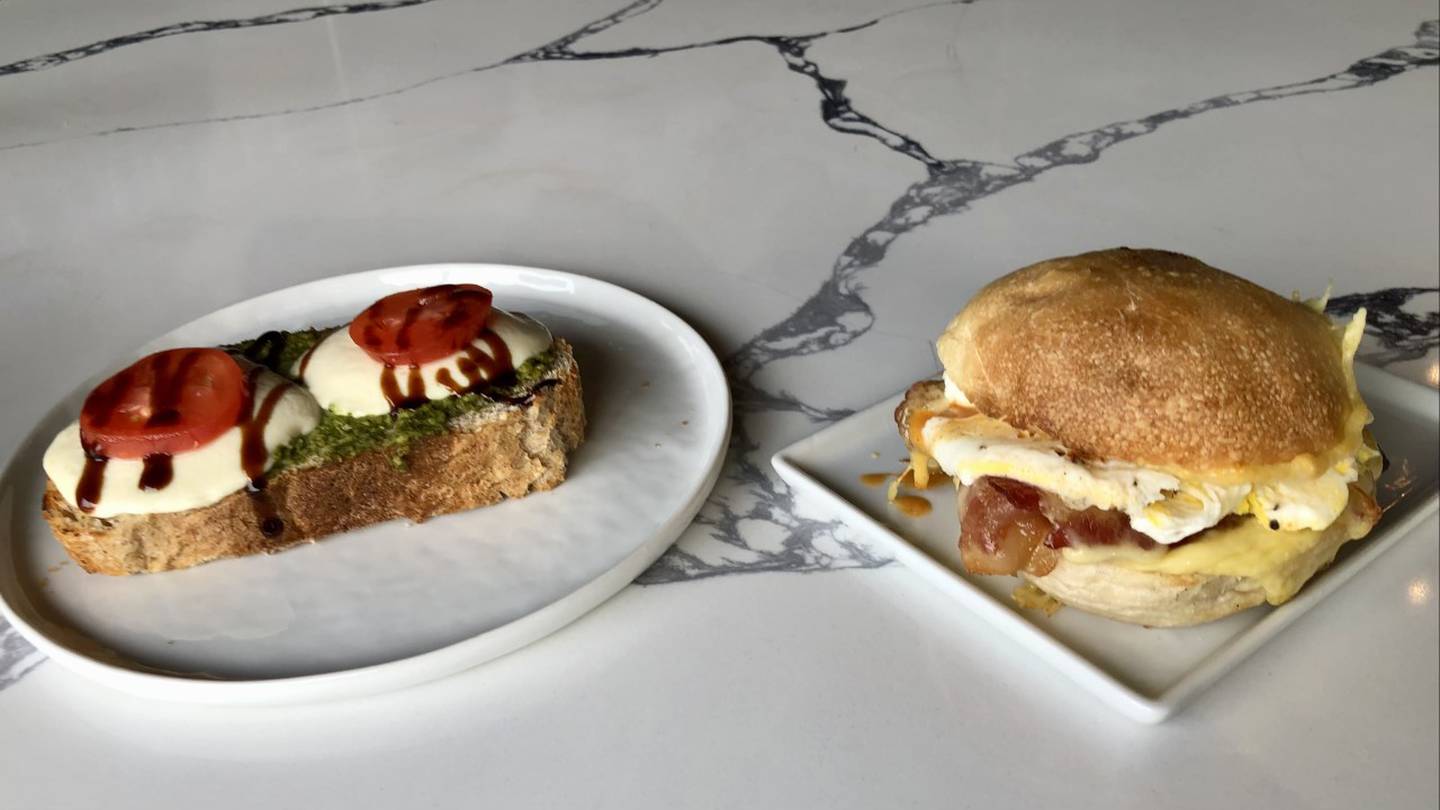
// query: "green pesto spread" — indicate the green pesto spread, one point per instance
point(340, 436)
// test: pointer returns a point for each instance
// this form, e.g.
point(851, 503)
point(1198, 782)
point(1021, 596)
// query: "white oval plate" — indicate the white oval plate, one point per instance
point(395, 604)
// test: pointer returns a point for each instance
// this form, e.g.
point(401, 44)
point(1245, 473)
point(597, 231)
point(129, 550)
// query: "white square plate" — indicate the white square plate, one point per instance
point(1145, 673)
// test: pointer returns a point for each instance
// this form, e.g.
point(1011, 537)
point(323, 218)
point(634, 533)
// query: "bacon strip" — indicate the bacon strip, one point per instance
point(1007, 526)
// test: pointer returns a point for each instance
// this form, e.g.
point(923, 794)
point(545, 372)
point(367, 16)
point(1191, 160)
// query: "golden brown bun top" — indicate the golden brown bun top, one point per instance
point(1151, 357)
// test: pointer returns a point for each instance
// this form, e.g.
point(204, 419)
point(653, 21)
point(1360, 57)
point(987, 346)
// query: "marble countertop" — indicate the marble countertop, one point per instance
point(816, 187)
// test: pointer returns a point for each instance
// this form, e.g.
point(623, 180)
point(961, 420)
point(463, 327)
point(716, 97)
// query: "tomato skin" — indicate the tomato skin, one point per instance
point(419, 326)
point(165, 403)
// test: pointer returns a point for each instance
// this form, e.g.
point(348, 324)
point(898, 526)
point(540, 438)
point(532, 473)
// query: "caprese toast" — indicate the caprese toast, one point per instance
point(428, 402)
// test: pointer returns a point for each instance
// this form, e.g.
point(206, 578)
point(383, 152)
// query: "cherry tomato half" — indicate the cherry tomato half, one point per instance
point(168, 402)
point(420, 326)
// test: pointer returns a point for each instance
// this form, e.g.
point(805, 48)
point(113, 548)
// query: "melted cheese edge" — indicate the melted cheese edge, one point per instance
point(1280, 561)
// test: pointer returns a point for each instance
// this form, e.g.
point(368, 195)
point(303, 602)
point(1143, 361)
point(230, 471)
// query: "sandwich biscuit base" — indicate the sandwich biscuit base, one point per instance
point(1152, 598)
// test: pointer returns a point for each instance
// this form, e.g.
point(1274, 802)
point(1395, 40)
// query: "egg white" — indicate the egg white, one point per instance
point(1158, 504)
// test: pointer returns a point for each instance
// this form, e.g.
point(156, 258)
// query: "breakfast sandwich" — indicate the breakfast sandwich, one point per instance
point(1142, 436)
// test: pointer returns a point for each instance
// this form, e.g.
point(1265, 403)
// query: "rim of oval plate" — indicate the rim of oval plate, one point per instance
point(573, 298)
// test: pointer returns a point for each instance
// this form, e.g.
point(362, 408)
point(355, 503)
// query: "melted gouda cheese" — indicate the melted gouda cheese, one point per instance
point(1281, 561)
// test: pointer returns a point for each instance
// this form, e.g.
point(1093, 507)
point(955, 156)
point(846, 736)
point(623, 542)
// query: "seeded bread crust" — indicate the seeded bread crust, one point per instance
point(505, 452)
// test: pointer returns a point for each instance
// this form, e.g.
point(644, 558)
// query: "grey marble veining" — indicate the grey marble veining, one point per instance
point(17, 657)
point(837, 314)
point(1402, 334)
point(297, 15)
point(1404, 322)
point(792, 48)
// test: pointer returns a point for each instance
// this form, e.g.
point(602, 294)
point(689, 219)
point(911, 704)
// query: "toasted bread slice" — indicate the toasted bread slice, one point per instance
point(482, 458)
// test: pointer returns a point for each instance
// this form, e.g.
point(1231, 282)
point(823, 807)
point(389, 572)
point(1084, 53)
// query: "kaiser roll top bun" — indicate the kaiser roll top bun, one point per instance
point(1153, 358)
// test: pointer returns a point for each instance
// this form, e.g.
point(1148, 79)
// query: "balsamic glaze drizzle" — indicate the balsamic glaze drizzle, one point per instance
point(254, 455)
point(479, 369)
point(305, 361)
point(444, 377)
point(92, 480)
point(166, 390)
point(414, 394)
point(158, 471)
point(165, 394)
